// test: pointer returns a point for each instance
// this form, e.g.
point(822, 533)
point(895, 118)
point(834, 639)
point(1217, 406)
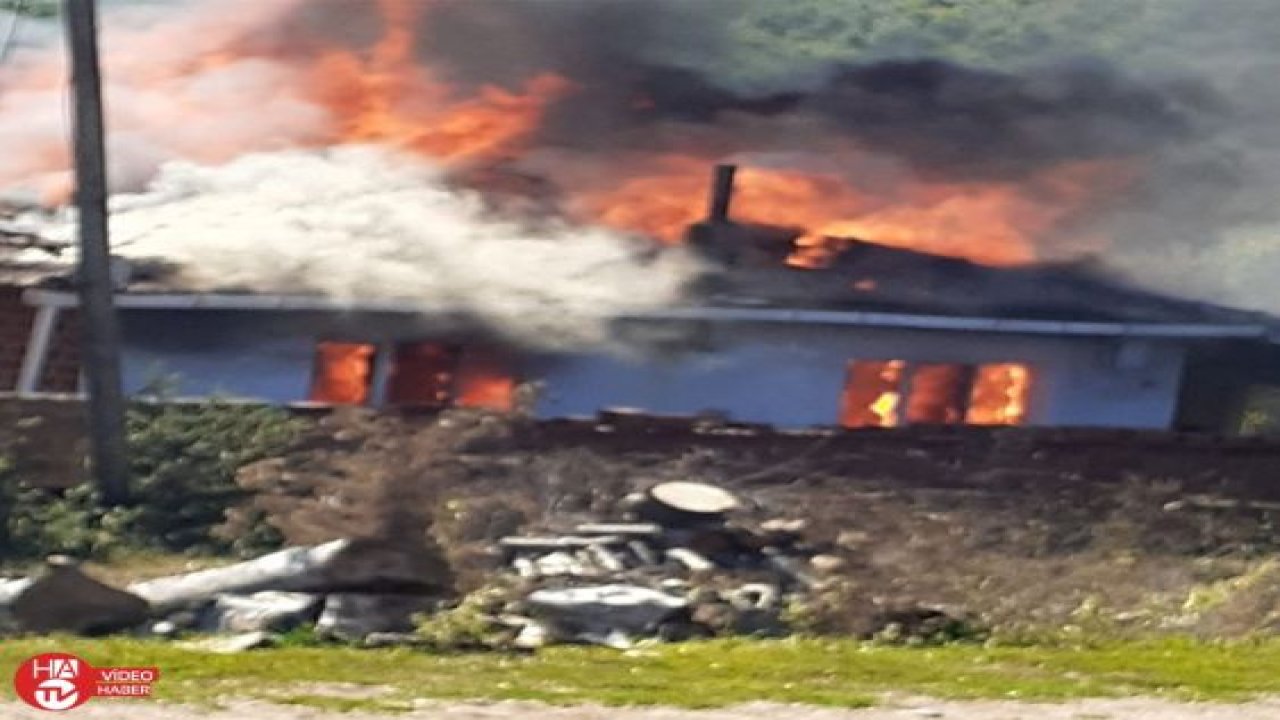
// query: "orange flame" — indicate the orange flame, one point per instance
point(484, 381)
point(936, 394)
point(985, 221)
point(1000, 395)
point(872, 394)
point(385, 94)
point(343, 372)
point(435, 375)
point(389, 98)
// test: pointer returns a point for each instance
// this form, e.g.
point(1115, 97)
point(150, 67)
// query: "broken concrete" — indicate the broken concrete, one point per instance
point(689, 572)
point(10, 589)
point(331, 567)
point(354, 617)
point(260, 612)
point(695, 574)
point(604, 614)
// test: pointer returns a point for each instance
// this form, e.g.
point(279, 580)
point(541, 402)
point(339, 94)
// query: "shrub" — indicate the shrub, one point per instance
point(472, 624)
point(183, 458)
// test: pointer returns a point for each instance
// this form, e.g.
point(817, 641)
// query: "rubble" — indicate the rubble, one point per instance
point(673, 563)
point(9, 590)
point(269, 611)
point(671, 566)
point(354, 618)
point(350, 589)
point(61, 598)
point(604, 614)
point(335, 565)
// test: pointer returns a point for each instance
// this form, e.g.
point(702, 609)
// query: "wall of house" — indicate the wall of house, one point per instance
point(45, 438)
point(789, 375)
point(793, 375)
point(62, 365)
point(15, 328)
point(231, 354)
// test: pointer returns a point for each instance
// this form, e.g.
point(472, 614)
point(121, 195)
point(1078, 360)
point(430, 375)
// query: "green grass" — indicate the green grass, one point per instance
point(710, 674)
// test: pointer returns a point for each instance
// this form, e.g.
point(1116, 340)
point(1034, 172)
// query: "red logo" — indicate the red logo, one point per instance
point(58, 682)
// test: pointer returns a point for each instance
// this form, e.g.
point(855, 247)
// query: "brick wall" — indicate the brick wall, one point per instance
point(15, 326)
point(62, 367)
point(46, 438)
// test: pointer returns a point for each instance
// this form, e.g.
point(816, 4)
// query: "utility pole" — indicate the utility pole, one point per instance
point(101, 346)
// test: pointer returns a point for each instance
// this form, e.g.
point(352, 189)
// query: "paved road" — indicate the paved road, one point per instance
point(1138, 709)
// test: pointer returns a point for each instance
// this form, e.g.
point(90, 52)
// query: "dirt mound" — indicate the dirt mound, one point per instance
point(1027, 531)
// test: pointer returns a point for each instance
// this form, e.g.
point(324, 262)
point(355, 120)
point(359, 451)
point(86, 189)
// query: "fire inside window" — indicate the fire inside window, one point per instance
point(343, 372)
point(892, 393)
point(420, 375)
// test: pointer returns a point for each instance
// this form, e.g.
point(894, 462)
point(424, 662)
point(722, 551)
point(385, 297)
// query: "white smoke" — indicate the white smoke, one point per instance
point(212, 142)
point(363, 223)
point(171, 88)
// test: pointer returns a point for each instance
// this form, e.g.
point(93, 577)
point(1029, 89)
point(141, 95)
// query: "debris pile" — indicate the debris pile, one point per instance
point(348, 589)
point(678, 561)
point(673, 566)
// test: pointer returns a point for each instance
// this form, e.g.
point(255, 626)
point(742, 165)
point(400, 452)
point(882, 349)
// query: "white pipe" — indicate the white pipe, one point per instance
point(378, 384)
point(37, 353)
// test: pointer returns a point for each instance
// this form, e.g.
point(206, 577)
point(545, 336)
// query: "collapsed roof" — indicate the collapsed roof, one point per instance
point(860, 282)
point(867, 277)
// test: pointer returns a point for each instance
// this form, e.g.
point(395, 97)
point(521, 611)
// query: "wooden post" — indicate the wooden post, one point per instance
point(97, 307)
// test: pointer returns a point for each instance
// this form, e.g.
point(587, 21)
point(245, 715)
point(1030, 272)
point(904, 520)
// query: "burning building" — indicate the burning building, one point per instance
point(891, 252)
point(863, 336)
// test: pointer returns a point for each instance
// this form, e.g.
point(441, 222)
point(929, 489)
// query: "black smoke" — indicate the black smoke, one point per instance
point(966, 122)
point(1192, 107)
point(633, 62)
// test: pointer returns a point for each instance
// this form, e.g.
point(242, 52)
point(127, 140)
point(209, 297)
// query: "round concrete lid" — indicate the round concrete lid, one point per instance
point(693, 497)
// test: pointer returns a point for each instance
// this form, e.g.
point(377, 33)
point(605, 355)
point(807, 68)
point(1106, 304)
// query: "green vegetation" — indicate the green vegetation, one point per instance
point(33, 8)
point(772, 38)
point(184, 462)
point(770, 43)
point(835, 673)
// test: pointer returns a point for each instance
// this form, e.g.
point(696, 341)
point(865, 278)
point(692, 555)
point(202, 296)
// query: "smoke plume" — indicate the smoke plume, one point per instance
point(1147, 131)
point(1183, 96)
point(365, 223)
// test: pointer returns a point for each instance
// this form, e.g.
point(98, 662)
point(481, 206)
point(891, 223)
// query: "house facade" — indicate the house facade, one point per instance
point(873, 336)
point(786, 367)
point(26, 330)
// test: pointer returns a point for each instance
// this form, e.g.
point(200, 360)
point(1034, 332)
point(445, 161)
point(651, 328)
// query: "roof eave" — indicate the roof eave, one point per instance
point(302, 303)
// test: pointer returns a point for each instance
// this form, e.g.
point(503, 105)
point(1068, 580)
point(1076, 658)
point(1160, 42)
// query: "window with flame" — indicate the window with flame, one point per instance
point(422, 375)
point(437, 375)
point(419, 375)
point(892, 393)
point(343, 373)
